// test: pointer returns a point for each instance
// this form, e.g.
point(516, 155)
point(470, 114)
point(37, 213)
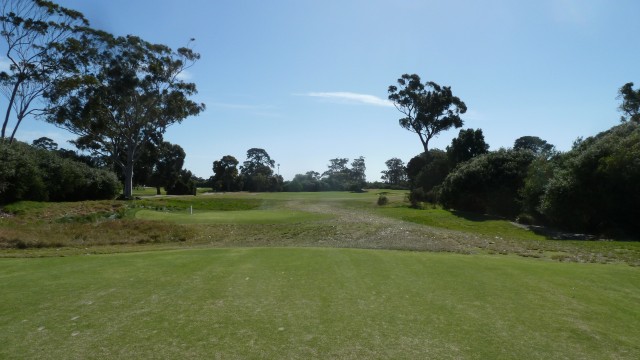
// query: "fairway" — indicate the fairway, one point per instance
point(231, 217)
point(316, 303)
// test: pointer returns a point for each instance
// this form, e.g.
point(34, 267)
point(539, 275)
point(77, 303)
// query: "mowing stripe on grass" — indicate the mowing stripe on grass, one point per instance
point(316, 303)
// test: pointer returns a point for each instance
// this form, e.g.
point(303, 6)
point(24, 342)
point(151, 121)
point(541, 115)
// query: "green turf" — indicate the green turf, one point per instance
point(230, 217)
point(316, 303)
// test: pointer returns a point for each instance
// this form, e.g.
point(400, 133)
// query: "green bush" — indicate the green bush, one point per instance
point(28, 173)
point(488, 183)
point(597, 186)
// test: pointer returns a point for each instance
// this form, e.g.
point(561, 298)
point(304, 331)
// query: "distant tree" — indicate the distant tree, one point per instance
point(428, 108)
point(34, 33)
point(358, 176)
point(469, 143)
point(45, 143)
point(338, 174)
point(183, 184)
point(225, 174)
point(534, 144)
point(167, 168)
point(396, 173)
point(257, 171)
point(630, 106)
point(128, 95)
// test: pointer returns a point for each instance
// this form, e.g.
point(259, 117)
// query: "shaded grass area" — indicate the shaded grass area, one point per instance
point(316, 303)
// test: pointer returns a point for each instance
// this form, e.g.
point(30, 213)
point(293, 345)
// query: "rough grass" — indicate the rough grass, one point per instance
point(328, 219)
point(316, 303)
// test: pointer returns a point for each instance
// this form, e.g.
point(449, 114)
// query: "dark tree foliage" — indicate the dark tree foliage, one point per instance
point(29, 173)
point(534, 144)
point(426, 173)
point(45, 143)
point(596, 187)
point(225, 174)
point(308, 182)
point(469, 144)
point(488, 183)
point(184, 183)
point(167, 167)
point(396, 173)
point(428, 108)
point(630, 106)
point(257, 172)
point(128, 94)
point(358, 179)
point(338, 175)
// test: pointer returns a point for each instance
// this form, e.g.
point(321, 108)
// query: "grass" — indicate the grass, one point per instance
point(316, 303)
point(231, 217)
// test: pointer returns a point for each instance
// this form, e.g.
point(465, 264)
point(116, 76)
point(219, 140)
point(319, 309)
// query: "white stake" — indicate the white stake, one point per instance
point(191, 210)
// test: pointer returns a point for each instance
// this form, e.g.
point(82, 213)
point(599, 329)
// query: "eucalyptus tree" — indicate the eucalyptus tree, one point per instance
point(630, 103)
point(428, 108)
point(35, 33)
point(128, 94)
point(396, 172)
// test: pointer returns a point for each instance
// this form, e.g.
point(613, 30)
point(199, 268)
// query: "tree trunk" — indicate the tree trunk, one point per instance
point(158, 190)
point(11, 100)
point(128, 176)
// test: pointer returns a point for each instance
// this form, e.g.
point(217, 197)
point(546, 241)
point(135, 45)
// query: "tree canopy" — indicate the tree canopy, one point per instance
point(630, 106)
point(35, 34)
point(127, 96)
point(428, 108)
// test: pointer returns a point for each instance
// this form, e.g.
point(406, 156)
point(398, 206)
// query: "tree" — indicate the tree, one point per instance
point(488, 183)
point(469, 144)
point(129, 94)
point(427, 112)
point(534, 144)
point(35, 32)
point(337, 175)
point(396, 172)
point(225, 173)
point(167, 167)
point(257, 171)
point(358, 176)
point(595, 187)
point(630, 103)
point(45, 143)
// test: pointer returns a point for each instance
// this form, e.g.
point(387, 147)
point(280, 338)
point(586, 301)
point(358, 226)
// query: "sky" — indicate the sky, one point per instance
point(307, 80)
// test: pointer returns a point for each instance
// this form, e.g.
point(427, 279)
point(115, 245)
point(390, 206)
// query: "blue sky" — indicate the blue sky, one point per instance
point(307, 80)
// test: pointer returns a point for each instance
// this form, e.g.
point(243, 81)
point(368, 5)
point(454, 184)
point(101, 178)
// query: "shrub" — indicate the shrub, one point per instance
point(597, 186)
point(488, 183)
point(27, 173)
point(383, 199)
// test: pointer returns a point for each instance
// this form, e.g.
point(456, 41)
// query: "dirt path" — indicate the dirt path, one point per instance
point(357, 228)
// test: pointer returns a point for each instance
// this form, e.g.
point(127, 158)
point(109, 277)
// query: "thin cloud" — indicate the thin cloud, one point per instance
point(353, 98)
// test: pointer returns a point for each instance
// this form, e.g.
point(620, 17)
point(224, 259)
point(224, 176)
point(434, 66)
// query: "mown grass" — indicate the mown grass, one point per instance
point(231, 217)
point(316, 303)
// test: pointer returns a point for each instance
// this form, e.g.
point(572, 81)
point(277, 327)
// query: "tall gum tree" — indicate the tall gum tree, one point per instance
point(33, 32)
point(128, 94)
point(428, 108)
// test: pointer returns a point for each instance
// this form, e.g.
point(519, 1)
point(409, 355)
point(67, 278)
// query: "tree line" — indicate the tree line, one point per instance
point(594, 187)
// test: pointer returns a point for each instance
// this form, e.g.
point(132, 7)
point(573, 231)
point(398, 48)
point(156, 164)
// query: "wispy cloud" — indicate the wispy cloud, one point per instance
point(352, 98)
point(4, 64)
point(185, 75)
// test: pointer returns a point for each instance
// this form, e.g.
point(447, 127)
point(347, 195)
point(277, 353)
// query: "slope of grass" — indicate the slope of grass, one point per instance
point(231, 217)
point(316, 303)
